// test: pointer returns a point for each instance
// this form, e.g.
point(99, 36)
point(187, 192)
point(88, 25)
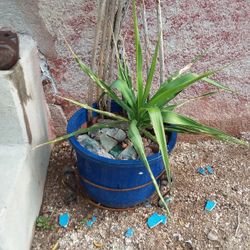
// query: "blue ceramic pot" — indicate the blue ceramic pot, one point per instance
point(114, 183)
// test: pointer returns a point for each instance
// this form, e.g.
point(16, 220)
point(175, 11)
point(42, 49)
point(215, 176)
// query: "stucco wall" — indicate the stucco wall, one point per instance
point(221, 26)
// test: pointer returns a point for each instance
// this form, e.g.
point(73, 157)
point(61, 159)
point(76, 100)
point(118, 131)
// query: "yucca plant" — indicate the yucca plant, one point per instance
point(150, 116)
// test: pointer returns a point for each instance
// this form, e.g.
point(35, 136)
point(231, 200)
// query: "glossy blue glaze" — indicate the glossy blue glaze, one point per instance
point(112, 174)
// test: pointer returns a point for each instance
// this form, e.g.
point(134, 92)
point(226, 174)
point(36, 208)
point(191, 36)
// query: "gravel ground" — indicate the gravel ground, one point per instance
point(226, 227)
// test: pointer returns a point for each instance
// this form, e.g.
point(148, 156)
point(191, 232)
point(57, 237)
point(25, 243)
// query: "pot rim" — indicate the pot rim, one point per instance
point(77, 146)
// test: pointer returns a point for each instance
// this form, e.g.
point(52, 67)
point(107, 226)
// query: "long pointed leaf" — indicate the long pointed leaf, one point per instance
point(105, 113)
point(98, 81)
point(178, 105)
point(216, 84)
point(169, 90)
point(187, 67)
point(80, 131)
point(192, 126)
point(136, 139)
point(151, 72)
point(127, 93)
point(157, 122)
point(139, 78)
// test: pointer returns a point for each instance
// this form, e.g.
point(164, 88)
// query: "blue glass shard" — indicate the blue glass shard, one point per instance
point(64, 220)
point(156, 219)
point(201, 171)
point(129, 233)
point(210, 205)
point(210, 169)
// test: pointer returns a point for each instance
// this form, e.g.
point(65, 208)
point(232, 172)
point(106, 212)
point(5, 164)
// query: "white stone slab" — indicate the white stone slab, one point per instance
point(23, 125)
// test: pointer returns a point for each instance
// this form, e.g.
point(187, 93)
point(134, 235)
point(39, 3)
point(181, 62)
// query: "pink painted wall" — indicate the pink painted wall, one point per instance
point(220, 26)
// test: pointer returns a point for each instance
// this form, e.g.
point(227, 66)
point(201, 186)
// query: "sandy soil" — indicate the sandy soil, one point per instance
point(226, 227)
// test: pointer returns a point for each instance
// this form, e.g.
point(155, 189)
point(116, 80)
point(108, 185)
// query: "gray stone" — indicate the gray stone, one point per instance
point(115, 133)
point(110, 131)
point(178, 237)
point(164, 182)
point(105, 130)
point(212, 235)
point(97, 134)
point(107, 142)
point(120, 135)
point(93, 146)
point(167, 199)
point(93, 134)
point(89, 143)
point(105, 154)
point(189, 244)
point(128, 153)
point(115, 151)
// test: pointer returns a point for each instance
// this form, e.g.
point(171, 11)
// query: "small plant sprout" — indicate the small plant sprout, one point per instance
point(44, 222)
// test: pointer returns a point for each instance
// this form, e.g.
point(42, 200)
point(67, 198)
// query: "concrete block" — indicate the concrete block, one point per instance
point(23, 125)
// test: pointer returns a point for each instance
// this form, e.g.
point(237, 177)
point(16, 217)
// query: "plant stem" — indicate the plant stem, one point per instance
point(103, 42)
point(100, 14)
point(161, 52)
point(145, 34)
point(111, 17)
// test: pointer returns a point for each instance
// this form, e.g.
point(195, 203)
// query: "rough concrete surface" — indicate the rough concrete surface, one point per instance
point(23, 17)
point(23, 125)
point(190, 27)
point(226, 227)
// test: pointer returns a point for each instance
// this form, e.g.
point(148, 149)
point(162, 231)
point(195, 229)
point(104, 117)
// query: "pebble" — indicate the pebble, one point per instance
point(212, 235)
point(189, 244)
point(148, 151)
point(167, 201)
point(74, 237)
point(145, 141)
point(164, 182)
point(147, 204)
point(178, 236)
point(155, 147)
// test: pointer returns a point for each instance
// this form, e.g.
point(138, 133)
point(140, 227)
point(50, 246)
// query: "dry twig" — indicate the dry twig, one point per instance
point(238, 224)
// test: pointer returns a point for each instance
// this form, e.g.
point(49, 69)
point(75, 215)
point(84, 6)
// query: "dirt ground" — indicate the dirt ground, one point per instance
point(191, 227)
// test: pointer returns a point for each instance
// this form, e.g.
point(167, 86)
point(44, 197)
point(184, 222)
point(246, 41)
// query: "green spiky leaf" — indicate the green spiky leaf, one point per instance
point(138, 54)
point(151, 72)
point(192, 126)
point(157, 122)
point(81, 131)
point(136, 139)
